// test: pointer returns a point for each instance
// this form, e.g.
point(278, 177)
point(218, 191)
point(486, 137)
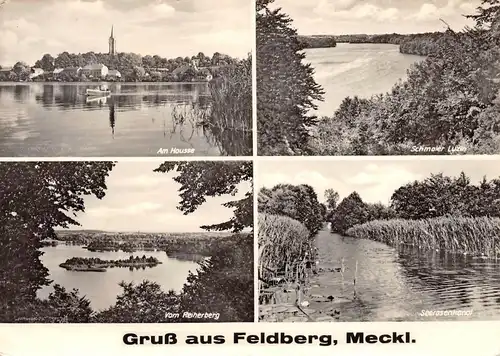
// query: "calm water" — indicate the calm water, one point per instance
point(57, 119)
point(396, 285)
point(357, 69)
point(102, 288)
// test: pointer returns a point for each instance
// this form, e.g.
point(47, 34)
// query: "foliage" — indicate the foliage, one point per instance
point(351, 211)
point(227, 120)
point(60, 306)
point(203, 179)
point(283, 244)
point(286, 89)
point(35, 197)
point(142, 303)
point(298, 202)
point(474, 236)
point(224, 284)
point(440, 195)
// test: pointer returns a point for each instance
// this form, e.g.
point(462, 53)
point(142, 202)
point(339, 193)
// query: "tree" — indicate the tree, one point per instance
point(298, 202)
point(46, 63)
point(36, 197)
point(209, 179)
point(350, 212)
point(332, 197)
point(141, 303)
point(223, 284)
point(286, 89)
point(487, 14)
point(63, 60)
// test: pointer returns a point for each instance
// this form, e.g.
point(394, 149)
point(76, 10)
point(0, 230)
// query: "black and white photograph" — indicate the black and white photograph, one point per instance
point(112, 78)
point(379, 240)
point(378, 77)
point(126, 242)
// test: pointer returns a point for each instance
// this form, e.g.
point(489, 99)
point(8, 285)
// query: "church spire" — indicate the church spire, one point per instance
point(112, 43)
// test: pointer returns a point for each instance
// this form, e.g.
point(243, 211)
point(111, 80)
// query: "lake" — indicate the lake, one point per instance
point(102, 288)
point(356, 69)
point(397, 285)
point(57, 119)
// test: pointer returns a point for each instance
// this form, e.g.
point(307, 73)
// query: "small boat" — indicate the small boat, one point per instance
point(100, 91)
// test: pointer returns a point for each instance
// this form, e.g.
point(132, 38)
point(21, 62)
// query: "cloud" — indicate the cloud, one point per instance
point(378, 16)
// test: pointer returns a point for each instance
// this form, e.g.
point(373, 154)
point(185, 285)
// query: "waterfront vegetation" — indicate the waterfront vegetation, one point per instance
point(448, 214)
point(93, 263)
point(479, 237)
point(222, 284)
point(228, 117)
point(449, 99)
point(132, 67)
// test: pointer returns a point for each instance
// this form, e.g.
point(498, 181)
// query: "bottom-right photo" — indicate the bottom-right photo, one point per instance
point(392, 239)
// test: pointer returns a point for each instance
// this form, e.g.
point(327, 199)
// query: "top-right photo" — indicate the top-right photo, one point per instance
point(378, 77)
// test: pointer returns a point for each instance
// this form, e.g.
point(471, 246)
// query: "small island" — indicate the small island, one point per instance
point(97, 265)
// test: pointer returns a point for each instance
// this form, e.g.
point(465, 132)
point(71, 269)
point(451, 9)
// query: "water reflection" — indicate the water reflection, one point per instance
point(58, 119)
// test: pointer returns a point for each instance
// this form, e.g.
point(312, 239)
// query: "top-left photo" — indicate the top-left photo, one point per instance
point(135, 78)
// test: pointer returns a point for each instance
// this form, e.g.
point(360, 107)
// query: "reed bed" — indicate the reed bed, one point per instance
point(284, 245)
point(229, 106)
point(473, 236)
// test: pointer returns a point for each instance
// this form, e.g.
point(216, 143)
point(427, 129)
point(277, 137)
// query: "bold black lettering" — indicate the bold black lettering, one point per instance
point(238, 336)
point(219, 339)
point(355, 338)
point(192, 340)
point(170, 339)
point(130, 339)
point(143, 339)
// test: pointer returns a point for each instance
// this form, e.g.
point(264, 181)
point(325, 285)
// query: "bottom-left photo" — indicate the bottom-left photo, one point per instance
point(126, 242)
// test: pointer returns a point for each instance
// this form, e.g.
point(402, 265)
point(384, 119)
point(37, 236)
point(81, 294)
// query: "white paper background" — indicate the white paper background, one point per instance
point(433, 338)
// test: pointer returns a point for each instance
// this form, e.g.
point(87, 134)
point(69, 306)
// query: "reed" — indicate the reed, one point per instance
point(473, 236)
point(284, 245)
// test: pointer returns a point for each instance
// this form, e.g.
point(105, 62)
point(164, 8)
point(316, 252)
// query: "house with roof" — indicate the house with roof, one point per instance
point(36, 72)
point(71, 71)
point(96, 70)
point(57, 71)
point(113, 73)
point(5, 72)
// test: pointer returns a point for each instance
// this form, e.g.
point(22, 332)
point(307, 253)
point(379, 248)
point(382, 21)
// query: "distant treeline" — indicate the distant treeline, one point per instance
point(317, 41)
point(421, 44)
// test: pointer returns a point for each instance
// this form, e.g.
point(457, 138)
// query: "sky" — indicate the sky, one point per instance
point(374, 180)
point(337, 17)
point(169, 28)
point(138, 199)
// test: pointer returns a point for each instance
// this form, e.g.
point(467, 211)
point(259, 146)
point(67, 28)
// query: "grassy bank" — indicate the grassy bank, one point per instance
point(473, 236)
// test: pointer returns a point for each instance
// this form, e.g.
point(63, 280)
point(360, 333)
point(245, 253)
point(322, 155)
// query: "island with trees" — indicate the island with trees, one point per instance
point(449, 99)
point(93, 264)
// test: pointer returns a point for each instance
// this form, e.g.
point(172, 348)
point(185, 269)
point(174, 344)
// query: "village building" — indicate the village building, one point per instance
point(36, 72)
point(97, 70)
point(113, 73)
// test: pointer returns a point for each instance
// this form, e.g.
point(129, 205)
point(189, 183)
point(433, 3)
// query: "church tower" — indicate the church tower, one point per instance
point(112, 44)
